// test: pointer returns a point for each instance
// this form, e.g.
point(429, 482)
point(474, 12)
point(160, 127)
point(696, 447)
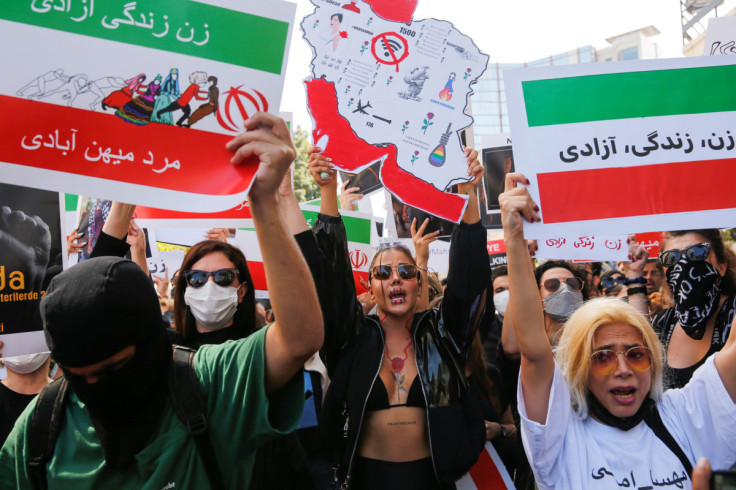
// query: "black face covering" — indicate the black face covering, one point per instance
point(696, 287)
point(624, 423)
point(93, 311)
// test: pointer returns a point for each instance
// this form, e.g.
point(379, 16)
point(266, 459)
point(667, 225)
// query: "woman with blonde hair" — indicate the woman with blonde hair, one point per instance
point(593, 414)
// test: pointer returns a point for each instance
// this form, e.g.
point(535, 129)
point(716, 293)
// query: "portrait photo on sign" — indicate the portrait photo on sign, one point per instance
point(498, 162)
point(92, 215)
point(30, 254)
point(404, 214)
point(366, 181)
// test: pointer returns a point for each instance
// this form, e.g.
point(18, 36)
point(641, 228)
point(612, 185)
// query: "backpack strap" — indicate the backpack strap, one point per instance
point(45, 422)
point(188, 400)
point(654, 421)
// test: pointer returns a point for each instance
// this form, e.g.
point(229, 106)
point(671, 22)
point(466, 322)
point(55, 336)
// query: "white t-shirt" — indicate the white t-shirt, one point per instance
point(573, 453)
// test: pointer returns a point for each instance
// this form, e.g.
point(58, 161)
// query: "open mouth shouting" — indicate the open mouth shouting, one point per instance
point(397, 296)
point(625, 395)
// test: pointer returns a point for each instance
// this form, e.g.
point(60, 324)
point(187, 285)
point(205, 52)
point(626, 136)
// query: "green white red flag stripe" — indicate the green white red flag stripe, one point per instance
point(646, 131)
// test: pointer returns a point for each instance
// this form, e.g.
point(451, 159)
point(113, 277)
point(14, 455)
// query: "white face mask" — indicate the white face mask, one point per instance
point(212, 305)
point(500, 301)
point(27, 363)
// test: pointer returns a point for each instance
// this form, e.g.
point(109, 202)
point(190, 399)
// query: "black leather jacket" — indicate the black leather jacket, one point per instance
point(354, 347)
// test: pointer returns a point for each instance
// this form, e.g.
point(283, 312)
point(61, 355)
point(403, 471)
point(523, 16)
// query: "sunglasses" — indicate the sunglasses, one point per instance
point(696, 253)
point(384, 271)
point(222, 277)
point(609, 282)
point(605, 361)
point(553, 285)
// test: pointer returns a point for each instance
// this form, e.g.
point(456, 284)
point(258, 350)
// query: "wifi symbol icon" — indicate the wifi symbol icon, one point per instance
point(390, 46)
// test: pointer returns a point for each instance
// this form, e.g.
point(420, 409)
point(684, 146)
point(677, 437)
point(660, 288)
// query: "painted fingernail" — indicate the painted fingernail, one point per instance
point(527, 182)
point(536, 208)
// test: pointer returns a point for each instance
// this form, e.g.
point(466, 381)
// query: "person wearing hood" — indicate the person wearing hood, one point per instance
point(701, 282)
point(103, 326)
point(27, 376)
point(594, 413)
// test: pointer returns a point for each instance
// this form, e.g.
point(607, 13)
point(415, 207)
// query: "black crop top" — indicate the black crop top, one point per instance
point(378, 397)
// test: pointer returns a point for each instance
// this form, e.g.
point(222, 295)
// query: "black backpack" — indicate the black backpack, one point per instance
point(186, 395)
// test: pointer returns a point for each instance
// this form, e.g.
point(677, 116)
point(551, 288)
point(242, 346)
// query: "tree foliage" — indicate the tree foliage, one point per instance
point(305, 187)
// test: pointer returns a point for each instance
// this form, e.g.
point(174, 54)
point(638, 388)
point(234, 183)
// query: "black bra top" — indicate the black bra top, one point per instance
point(378, 397)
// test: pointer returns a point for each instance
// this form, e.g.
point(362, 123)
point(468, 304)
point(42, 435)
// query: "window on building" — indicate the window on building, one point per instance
point(629, 54)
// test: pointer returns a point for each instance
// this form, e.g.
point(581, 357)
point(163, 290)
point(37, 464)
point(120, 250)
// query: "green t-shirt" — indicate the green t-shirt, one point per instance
point(240, 416)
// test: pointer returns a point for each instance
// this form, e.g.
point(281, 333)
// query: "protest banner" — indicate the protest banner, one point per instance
point(626, 147)
point(403, 215)
point(101, 96)
point(584, 248)
point(30, 256)
point(391, 89)
point(651, 241)
point(497, 252)
point(357, 225)
point(163, 218)
point(498, 160)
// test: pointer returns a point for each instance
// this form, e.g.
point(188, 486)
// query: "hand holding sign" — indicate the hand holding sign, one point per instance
point(516, 202)
point(266, 138)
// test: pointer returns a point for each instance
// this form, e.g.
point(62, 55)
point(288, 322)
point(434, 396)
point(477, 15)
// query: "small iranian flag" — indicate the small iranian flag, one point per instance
point(618, 148)
point(489, 473)
point(357, 225)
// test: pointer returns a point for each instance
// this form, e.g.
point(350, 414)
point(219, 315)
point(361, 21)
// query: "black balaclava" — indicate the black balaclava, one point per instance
point(91, 312)
point(696, 287)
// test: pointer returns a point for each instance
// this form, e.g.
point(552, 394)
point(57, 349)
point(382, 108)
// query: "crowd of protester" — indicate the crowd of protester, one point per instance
point(581, 375)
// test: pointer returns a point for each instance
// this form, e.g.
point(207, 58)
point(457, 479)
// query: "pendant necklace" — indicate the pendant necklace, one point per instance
point(397, 363)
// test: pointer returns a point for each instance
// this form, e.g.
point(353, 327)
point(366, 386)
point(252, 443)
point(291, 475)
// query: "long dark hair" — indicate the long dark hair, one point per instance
point(245, 315)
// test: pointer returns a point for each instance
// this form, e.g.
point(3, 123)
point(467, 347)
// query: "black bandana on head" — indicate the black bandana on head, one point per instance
point(93, 311)
point(696, 286)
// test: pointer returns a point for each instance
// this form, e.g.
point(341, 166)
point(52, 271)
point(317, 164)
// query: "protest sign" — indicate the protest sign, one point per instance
point(497, 252)
point(584, 248)
point(393, 90)
point(403, 215)
point(102, 95)
point(720, 38)
point(357, 225)
point(651, 241)
point(153, 217)
point(615, 148)
point(30, 256)
point(498, 160)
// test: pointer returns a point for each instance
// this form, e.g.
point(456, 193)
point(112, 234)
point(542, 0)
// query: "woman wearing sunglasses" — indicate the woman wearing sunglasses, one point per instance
point(594, 413)
point(214, 298)
point(395, 408)
point(701, 282)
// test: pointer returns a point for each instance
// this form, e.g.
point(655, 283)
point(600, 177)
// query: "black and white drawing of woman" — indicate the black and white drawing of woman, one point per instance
point(169, 93)
point(138, 111)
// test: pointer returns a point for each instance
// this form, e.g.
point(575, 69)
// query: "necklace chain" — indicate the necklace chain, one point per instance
point(397, 363)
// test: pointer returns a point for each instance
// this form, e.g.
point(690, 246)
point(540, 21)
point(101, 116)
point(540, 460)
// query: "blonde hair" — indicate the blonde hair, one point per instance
point(576, 346)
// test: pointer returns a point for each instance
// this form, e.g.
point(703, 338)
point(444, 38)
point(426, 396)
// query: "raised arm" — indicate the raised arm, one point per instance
point(525, 305)
point(421, 247)
point(726, 363)
point(297, 332)
point(342, 312)
point(637, 292)
point(463, 304)
point(323, 172)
